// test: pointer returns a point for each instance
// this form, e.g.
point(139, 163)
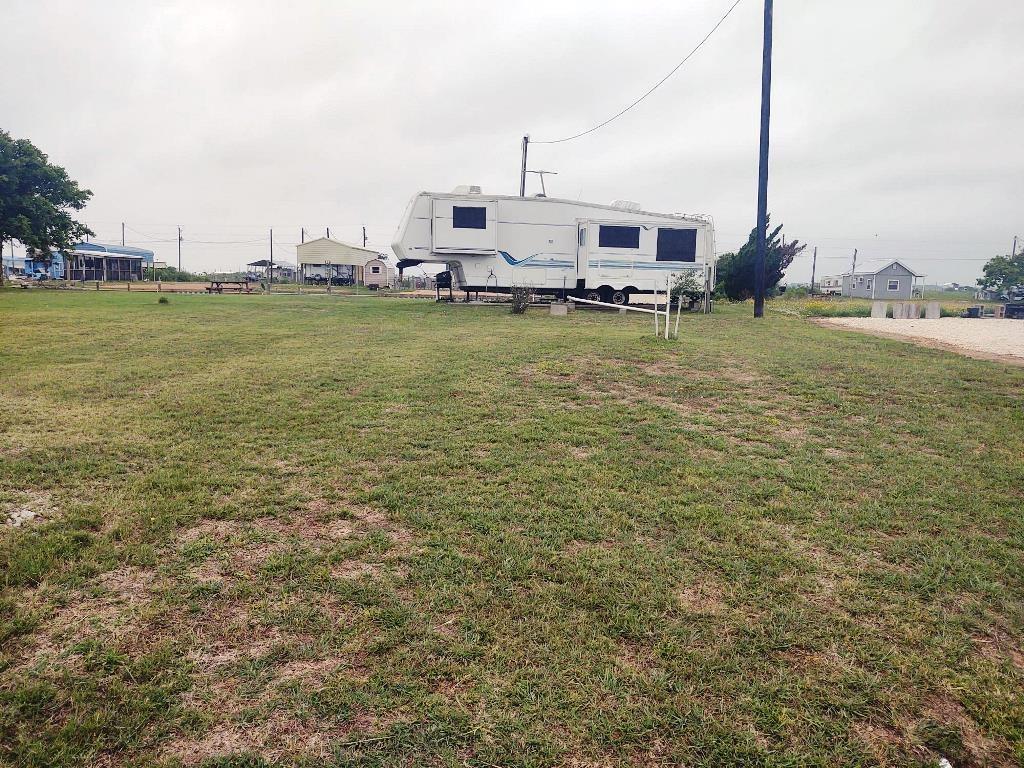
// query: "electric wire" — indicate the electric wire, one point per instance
point(655, 87)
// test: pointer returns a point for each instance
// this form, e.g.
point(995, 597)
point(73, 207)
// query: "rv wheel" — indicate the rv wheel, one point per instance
point(620, 297)
point(593, 296)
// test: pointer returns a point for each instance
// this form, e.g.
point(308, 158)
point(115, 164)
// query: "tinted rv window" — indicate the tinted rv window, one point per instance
point(464, 217)
point(618, 237)
point(677, 244)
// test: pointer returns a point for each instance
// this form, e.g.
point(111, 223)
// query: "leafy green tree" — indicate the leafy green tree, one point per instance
point(1003, 274)
point(735, 271)
point(37, 199)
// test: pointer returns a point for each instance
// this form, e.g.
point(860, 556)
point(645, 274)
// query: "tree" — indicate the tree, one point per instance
point(36, 200)
point(1003, 274)
point(735, 271)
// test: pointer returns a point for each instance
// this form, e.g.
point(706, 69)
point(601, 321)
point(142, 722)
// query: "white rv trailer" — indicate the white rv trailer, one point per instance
point(600, 252)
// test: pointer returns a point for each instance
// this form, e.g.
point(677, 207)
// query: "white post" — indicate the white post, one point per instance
point(656, 311)
point(679, 311)
point(668, 304)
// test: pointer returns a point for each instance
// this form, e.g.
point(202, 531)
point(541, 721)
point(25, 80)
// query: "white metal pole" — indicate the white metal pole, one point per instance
point(679, 311)
point(656, 310)
point(668, 304)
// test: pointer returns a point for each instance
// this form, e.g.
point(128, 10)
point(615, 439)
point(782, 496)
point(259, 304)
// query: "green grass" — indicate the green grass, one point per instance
point(361, 532)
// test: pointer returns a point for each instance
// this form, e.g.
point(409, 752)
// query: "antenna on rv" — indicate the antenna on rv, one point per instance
point(544, 191)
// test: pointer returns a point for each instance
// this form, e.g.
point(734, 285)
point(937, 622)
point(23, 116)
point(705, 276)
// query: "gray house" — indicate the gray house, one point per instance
point(880, 280)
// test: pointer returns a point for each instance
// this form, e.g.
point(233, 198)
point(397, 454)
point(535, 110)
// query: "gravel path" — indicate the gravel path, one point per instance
point(993, 339)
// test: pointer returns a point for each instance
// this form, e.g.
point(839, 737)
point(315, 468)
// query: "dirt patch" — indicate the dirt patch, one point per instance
point(998, 340)
point(636, 657)
point(701, 597)
point(946, 711)
point(110, 607)
point(999, 647)
point(30, 508)
point(882, 741)
point(278, 736)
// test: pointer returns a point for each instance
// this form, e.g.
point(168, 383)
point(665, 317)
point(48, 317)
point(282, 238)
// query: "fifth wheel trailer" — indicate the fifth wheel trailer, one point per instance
point(600, 252)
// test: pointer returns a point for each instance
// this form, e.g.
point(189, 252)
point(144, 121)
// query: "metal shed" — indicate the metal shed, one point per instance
point(326, 257)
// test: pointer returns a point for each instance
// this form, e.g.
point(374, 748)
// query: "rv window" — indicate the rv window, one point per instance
point(464, 217)
point(618, 237)
point(676, 244)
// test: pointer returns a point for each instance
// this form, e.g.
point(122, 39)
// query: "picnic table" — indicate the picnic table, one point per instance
point(231, 286)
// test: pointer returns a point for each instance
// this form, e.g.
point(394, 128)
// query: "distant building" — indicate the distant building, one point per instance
point(377, 273)
point(326, 258)
point(880, 280)
point(93, 261)
point(283, 272)
point(831, 285)
point(13, 265)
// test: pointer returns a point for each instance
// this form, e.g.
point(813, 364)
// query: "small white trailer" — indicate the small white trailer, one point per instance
point(559, 247)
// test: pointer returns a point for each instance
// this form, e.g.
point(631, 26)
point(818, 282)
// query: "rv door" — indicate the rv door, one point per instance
point(581, 250)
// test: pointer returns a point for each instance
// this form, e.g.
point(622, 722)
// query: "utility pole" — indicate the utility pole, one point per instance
point(270, 269)
point(328, 232)
point(814, 268)
point(303, 235)
point(364, 237)
point(762, 175)
point(522, 170)
point(1013, 255)
point(122, 234)
point(179, 251)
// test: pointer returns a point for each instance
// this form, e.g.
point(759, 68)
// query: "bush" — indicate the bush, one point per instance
point(688, 287)
point(163, 300)
point(521, 298)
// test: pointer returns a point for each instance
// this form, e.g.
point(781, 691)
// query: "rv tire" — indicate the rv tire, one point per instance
point(620, 297)
point(593, 295)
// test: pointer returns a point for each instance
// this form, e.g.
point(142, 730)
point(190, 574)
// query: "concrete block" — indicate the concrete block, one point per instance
point(879, 308)
point(559, 310)
point(911, 311)
point(897, 310)
point(932, 311)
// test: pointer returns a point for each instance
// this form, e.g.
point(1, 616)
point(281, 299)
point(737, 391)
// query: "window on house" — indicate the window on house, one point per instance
point(375, 270)
point(618, 237)
point(676, 244)
point(894, 285)
point(869, 285)
point(860, 280)
point(466, 217)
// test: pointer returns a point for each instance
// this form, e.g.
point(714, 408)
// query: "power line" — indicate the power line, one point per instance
point(649, 92)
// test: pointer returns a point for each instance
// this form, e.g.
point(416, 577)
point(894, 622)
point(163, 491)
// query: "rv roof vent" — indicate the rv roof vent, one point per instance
point(466, 189)
point(628, 205)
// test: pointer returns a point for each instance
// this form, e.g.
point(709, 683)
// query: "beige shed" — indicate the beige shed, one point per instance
point(326, 258)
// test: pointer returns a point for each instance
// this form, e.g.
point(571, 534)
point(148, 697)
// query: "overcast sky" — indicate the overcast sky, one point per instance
point(897, 125)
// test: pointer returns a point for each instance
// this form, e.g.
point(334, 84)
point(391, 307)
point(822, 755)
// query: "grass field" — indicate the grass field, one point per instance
point(366, 532)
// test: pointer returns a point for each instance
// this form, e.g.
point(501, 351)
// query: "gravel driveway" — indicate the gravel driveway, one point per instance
point(991, 339)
